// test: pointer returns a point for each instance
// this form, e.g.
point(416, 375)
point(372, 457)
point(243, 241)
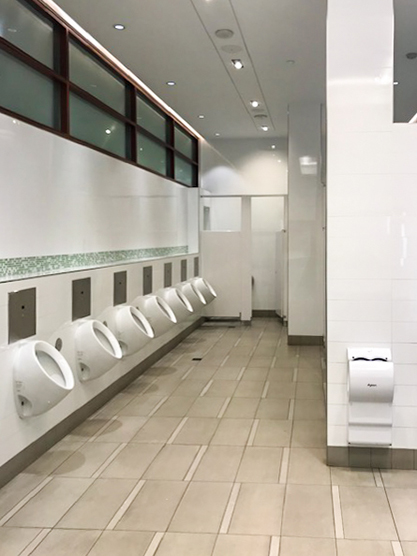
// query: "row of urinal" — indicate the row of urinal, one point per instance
point(42, 374)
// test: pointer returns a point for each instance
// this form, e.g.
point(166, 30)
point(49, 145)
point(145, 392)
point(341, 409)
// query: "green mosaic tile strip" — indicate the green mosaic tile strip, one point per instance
point(29, 267)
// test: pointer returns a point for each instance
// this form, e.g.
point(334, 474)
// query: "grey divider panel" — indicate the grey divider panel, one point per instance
point(119, 287)
point(147, 280)
point(22, 314)
point(196, 266)
point(81, 298)
point(183, 270)
point(167, 275)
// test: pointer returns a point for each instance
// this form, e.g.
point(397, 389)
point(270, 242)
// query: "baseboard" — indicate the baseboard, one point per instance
point(305, 340)
point(27, 456)
point(382, 458)
point(264, 314)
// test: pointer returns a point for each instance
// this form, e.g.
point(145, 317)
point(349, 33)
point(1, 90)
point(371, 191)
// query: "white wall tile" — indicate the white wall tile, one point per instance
point(405, 374)
point(337, 393)
point(403, 437)
point(405, 416)
point(405, 395)
point(336, 435)
point(362, 310)
point(363, 290)
point(337, 415)
point(359, 331)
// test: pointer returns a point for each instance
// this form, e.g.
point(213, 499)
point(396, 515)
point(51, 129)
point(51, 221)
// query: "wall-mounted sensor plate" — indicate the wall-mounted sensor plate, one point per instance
point(81, 298)
point(147, 280)
point(183, 270)
point(22, 314)
point(196, 266)
point(167, 275)
point(120, 287)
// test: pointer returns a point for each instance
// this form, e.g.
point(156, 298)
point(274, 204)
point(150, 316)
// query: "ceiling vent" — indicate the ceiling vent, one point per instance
point(224, 33)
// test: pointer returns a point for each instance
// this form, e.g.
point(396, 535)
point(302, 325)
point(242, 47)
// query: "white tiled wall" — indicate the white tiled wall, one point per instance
point(372, 213)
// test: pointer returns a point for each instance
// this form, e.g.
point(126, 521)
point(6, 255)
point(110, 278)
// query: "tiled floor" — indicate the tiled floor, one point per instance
point(222, 456)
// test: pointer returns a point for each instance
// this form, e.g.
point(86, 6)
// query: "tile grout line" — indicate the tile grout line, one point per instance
point(153, 547)
point(252, 434)
point(223, 363)
point(284, 466)
point(125, 506)
point(177, 431)
point(291, 410)
point(196, 462)
point(237, 342)
point(295, 375)
point(227, 518)
point(206, 388)
point(397, 548)
point(274, 360)
point(148, 387)
point(265, 390)
point(108, 461)
point(337, 512)
point(187, 373)
point(378, 478)
point(241, 373)
point(274, 547)
point(176, 360)
point(35, 542)
point(223, 408)
point(158, 405)
point(24, 501)
point(102, 429)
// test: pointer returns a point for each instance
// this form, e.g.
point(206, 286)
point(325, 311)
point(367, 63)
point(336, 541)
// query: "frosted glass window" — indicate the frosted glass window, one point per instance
point(183, 143)
point(183, 171)
point(25, 91)
point(24, 27)
point(96, 79)
point(151, 155)
point(150, 119)
point(92, 125)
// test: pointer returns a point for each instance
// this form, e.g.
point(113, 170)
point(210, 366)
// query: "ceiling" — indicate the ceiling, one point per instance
point(280, 42)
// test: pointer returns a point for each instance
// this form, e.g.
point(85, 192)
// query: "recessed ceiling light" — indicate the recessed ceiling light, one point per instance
point(264, 128)
point(396, 82)
point(273, 146)
point(254, 103)
point(119, 26)
point(217, 134)
point(224, 33)
point(108, 131)
point(171, 83)
point(11, 30)
point(238, 64)
point(290, 62)
point(201, 116)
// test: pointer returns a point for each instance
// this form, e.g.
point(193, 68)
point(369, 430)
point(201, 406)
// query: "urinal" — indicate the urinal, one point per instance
point(131, 328)
point(42, 378)
point(204, 288)
point(178, 302)
point(97, 349)
point(157, 311)
point(194, 296)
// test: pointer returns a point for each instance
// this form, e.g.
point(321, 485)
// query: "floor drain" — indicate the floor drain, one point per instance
point(197, 359)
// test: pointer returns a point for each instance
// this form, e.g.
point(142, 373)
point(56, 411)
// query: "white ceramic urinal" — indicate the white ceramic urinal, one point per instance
point(42, 378)
point(97, 349)
point(157, 311)
point(178, 302)
point(131, 328)
point(204, 288)
point(194, 296)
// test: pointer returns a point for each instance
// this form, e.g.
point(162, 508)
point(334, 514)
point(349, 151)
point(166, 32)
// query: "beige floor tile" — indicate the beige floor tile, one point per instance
point(281, 390)
point(309, 434)
point(308, 467)
point(241, 545)
point(186, 544)
point(190, 387)
point(285, 361)
point(366, 513)
point(310, 375)
point(255, 374)
point(409, 548)
point(67, 543)
point(258, 510)
point(273, 409)
point(16, 490)
point(260, 465)
point(394, 478)
point(53, 458)
point(141, 406)
point(122, 429)
point(165, 386)
point(309, 363)
point(299, 546)
point(346, 476)
point(206, 372)
point(153, 507)
point(219, 464)
point(175, 406)
point(125, 543)
point(202, 507)
point(157, 430)
point(197, 430)
point(232, 432)
point(403, 504)
point(261, 361)
point(308, 512)
point(249, 389)
point(273, 432)
point(281, 375)
point(309, 410)
point(132, 461)
point(86, 460)
point(172, 463)
point(206, 407)
point(364, 548)
point(239, 408)
point(238, 361)
point(222, 388)
point(116, 404)
point(309, 391)
point(15, 539)
point(87, 429)
point(227, 373)
point(51, 503)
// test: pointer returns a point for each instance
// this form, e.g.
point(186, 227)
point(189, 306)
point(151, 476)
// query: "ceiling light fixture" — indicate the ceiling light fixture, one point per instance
point(254, 103)
point(171, 83)
point(238, 64)
point(108, 131)
point(217, 134)
point(396, 82)
point(264, 128)
point(224, 33)
point(273, 147)
point(119, 26)
point(201, 116)
point(290, 62)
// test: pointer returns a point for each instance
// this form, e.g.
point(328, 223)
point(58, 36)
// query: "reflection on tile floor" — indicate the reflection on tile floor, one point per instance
point(219, 457)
